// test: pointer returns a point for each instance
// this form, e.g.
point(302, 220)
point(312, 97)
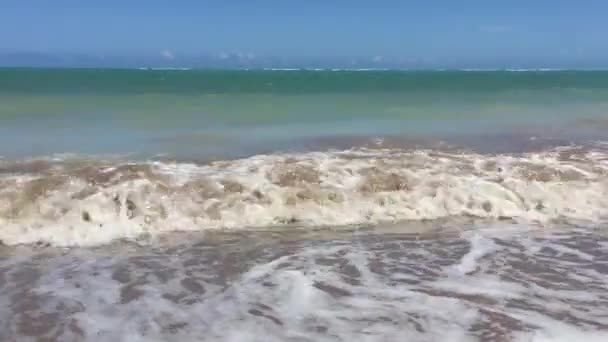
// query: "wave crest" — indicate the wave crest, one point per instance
point(89, 203)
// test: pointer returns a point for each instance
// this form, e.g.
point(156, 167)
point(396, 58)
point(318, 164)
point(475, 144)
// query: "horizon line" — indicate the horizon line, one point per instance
point(334, 69)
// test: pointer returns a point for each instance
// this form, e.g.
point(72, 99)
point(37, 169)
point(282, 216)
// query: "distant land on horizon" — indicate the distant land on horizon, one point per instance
point(244, 61)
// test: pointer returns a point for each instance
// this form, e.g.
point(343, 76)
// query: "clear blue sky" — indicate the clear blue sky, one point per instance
point(440, 32)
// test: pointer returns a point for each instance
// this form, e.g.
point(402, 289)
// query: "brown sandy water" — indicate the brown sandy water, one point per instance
point(366, 244)
point(409, 282)
point(79, 201)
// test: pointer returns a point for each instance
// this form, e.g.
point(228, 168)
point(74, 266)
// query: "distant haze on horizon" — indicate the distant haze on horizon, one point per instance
point(341, 34)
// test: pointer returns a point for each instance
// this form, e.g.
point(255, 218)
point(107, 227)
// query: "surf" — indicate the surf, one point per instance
point(76, 202)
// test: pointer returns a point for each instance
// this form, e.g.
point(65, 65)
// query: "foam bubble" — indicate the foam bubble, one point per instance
point(480, 246)
point(363, 287)
point(78, 203)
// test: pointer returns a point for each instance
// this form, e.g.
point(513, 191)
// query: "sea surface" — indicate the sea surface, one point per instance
point(303, 205)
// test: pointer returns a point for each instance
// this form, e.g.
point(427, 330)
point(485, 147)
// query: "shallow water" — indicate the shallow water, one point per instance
point(227, 114)
point(140, 205)
point(466, 282)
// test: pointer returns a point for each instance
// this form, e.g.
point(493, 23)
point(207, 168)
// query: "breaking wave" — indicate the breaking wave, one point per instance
point(83, 202)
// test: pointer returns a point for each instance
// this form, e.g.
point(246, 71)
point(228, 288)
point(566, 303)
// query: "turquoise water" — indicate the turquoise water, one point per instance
point(233, 113)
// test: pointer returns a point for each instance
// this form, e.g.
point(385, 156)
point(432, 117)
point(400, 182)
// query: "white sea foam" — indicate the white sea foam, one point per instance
point(355, 288)
point(480, 247)
point(87, 205)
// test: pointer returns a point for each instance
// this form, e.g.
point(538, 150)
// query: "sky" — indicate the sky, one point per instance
point(435, 33)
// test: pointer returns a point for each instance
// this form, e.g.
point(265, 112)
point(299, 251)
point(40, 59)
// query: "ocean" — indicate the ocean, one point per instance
point(303, 205)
